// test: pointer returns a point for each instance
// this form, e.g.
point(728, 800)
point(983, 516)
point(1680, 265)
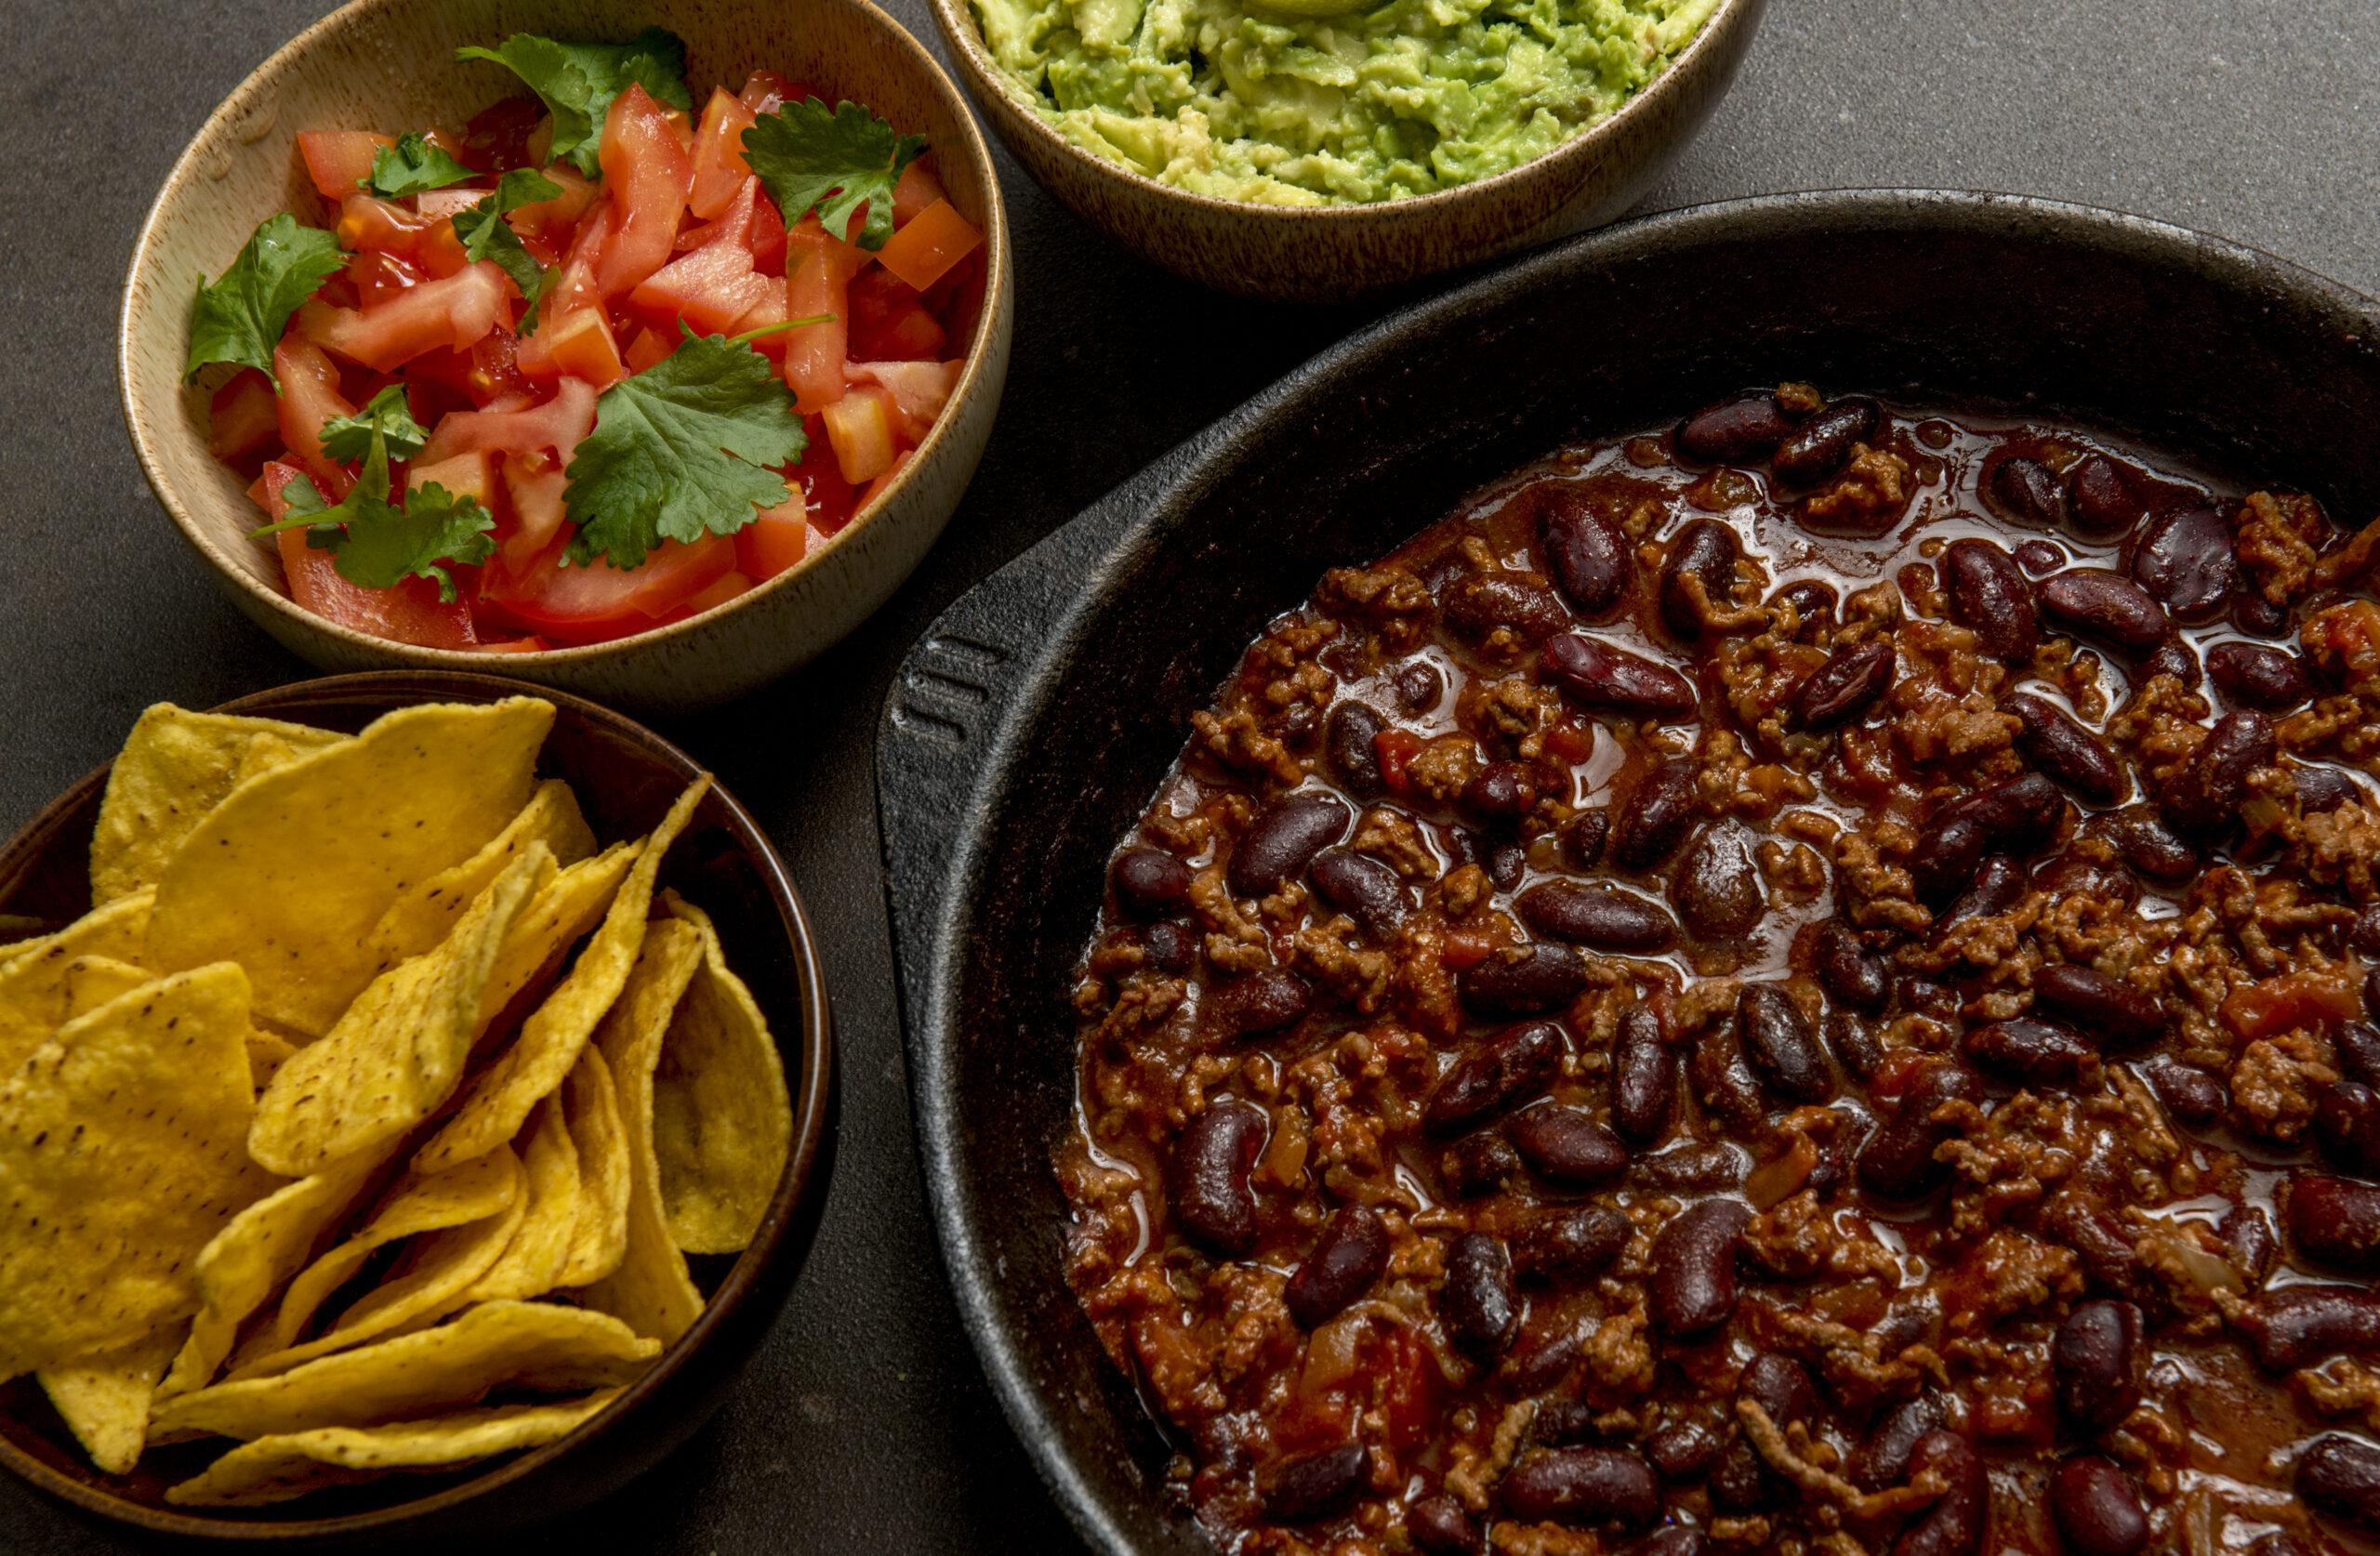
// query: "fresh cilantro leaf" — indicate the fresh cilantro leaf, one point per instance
point(349, 439)
point(241, 317)
point(808, 156)
point(487, 235)
point(685, 448)
point(374, 544)
point(577, 82)
point(410, 166)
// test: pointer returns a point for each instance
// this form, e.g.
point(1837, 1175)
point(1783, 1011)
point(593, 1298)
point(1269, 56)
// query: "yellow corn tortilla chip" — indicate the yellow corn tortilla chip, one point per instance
point(533, 1262)
point(175, 767)
point(527, 1345)
point(91, 982)
point(397, 1054)
point(121, 1156)
point(550, 1039)
point(33, 984)
point(267, 1054)
point(723, 1123)
point(563, 910)
point(651, 1290)
point(420, 917)
point(291, 1464)
point(292, 871)
point(262, 1247)
point(104, 1399)
point(593, 1108)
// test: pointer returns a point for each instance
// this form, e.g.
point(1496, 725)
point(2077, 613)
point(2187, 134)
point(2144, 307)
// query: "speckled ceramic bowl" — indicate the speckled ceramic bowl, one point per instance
point(1329, 252)
point(388, 65)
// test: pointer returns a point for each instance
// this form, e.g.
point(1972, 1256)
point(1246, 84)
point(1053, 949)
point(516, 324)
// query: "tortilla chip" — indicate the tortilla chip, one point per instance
point(563, 910)
point(398, 1054)
point(267, 1054)
point(533, 1262)
point(33, 984)
point(527, 1345)
point(723, 1123)
point(121, 1156)
point(290, 873)
point(176, 767)
point(291, 1464)
point(262, 1247)
point(420, 917)
point(104, 1399)
point(650, 1289)
point(550, 1039)
point(594, 1109)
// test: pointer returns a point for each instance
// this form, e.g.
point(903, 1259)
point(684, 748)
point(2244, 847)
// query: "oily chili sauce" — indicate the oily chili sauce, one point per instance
point(1797, 983)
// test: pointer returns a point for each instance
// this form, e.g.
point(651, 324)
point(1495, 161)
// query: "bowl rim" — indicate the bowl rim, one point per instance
point(989, 80)
point(811, 1093)
point(254, 87)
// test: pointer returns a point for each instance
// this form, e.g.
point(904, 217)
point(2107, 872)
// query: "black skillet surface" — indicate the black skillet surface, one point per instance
point(1029, 725)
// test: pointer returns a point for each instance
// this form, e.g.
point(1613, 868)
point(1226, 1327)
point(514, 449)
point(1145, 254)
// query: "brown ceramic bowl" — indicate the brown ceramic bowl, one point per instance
point(625, 777)
point(1331, 253)
point(388, 65)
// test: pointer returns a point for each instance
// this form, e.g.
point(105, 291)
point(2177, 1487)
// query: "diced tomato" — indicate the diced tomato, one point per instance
point(573, 291)
point(918, 188)
point(497, 138)
point(550, 225)
point(530, 644)
point(860, 428)
point(752, 219)
point(648, 348)
point(965, 309)
point(559, 424)
point(483, 377)
point(242, 417)
point(377, 276)
point(536, 483)
point(583, 347)
point(775, 540)
point(429, 243)
point(455, 311)
point(709, 289)
point(719, 167)
point(766, 91)
point(818, 274)
point(1394, 748)
point(1567, 742)
point(310, 397)
point(466, 475)
point(2293, 999)
point(2345, 642)
point(648, 172)
point(938, 238)
point(920, 390)
point(339, 161)
point(726, 587)
point(446, 203)
point(592, 604)
point(1463, 949)
point(875, 489)
point(1405, 1384)
point(900, 332)
point(411, 613)
point(832, 499)
point(769, 311)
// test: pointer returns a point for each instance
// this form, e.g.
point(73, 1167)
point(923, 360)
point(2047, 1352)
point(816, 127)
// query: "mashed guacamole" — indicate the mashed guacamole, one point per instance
point(1295, 107)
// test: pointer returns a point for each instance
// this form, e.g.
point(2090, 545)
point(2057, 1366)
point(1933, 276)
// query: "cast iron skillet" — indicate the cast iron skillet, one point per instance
point(1028, 727)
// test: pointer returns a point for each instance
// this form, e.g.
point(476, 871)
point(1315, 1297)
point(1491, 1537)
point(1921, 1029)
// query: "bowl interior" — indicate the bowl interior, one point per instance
point(625, 778)
point(388, 65)
point(1118, 628)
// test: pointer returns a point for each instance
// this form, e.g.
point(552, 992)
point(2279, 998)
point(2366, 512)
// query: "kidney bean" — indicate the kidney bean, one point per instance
point(1347, 739)
point(1693, 1285)
point(1172, 947)
point(1591, 913)
point(1523, 604)
point(2341, 1476)
point(1989, 596)
point(1439, 1525)
point(1742, 429)
point(2322, 788)
point(1568, 1147)
point(1897, 1161)
point(1283, 840)
point(1693, 1168)
point(1723, 1079)
point(2304, 1325)
point(1506, 862)
point(1590, 1487)
point(1682, 1451)
point(2107, 606)
point(1922, 996)
point(1812, 602)
point(1782, 1046)
point(1717, 889)
point(1420, 685)
point(2195, 1097)
point(1539, 1368)
point(1476, 1304)
point(1151, 883)
point(2184, 557)
point(2154, 851)
point(1500, 791)
point(1845, 687)
point(2029, 1053)
point(1855, 1042)
point(1882, 1458)
point(1643, 1078)
point(2020, 816)
point(2204, 799)
point(2358, 1045)
point(2039, 558)
point(1317, 1486)
point(1999, 884)
point(2054, 741)
point(2094, 1364)
point(1846, 970)
point(1294, 726)
point(2255, 675)
point(1672, 1539)
point(1347, 1257)
point(2097, 1511)
point(1585, 550)
point(1655, 820)
point(1571, 1245)
point(1212, 1198)
point(1706, 550)
point(2025, 491)
point(1948, 853)
point(2335, 1221)
point(2071, 873)
point(1594, 674)
point(1743, 1481)
point(1266, 1000)
point(1361, 886)
point(1822, 445)
point(1478, 1165)
point(2248, 1236)
point(1955, 1526)
point(1541, 978)
point(1583, 836)
point(2113, 1011)
point(2100, 498)
point(2257, 617)
point(1509, 1068)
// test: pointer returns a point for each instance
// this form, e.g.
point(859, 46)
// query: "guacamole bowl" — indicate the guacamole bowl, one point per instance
point(1324, 253)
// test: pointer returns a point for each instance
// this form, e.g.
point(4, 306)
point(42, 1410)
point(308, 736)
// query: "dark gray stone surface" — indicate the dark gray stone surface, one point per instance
point(865, 1425)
